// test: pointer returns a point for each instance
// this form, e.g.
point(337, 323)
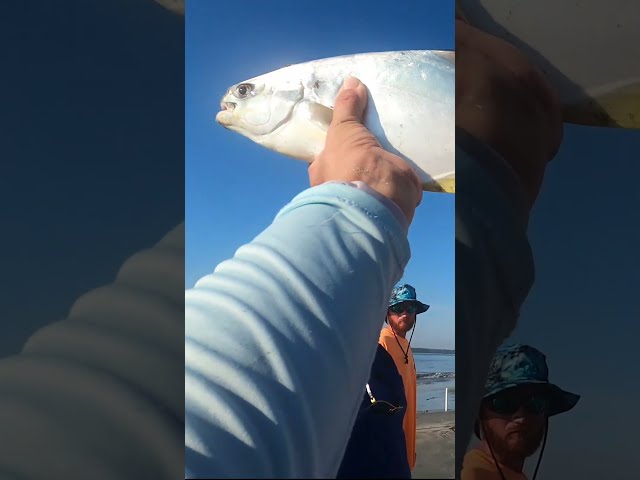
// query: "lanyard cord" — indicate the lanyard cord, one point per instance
point(544, 443)
point(406, 354)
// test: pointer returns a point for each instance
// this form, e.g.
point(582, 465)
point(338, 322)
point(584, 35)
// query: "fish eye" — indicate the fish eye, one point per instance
point(243, 90)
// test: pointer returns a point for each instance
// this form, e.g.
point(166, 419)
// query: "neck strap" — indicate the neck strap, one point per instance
point(406, 354)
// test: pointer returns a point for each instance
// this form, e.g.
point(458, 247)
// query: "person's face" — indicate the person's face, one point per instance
point(514, 420)
point(402, 316)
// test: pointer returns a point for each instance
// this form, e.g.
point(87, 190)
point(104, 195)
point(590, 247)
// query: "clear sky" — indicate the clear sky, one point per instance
point(234, 187)
point(583, 311)
point(92, 149)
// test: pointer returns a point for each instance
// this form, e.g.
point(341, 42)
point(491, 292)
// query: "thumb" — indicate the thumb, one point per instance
point(350, 103)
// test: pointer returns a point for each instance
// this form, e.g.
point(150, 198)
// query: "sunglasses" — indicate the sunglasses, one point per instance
point(399, 308)
point(381, 406)
point(509, 404)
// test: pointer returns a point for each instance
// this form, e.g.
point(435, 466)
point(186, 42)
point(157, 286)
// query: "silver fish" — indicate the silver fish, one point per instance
point(410, 108)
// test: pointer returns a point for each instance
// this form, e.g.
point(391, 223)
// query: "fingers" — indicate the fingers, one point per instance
point(505, 61)
point(350, 103)
point(352, 153)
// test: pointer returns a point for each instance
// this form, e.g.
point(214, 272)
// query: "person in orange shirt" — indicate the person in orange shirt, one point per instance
point(514, 415)
point(401, 317)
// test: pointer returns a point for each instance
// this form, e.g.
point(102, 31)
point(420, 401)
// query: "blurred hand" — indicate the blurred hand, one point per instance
point(352, 153)
point(504, 101)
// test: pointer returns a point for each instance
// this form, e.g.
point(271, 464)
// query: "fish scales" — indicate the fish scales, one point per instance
point(410, 108)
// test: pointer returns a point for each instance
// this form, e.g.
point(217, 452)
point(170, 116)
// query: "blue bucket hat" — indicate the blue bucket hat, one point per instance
point(406, 293)
point(516, 365)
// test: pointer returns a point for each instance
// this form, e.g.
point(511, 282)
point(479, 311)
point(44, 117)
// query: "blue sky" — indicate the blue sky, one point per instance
point(92, 149)
point(234, 187)
point(583, 310)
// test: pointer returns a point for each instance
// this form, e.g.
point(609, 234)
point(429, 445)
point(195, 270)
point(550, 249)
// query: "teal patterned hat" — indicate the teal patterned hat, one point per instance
point(516, 365)
point(406, 293)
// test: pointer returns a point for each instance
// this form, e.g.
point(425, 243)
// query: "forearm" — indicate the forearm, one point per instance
point(280, 339)
point(99, 393)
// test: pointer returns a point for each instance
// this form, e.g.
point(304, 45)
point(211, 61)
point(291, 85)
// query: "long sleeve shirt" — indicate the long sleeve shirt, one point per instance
point(279, 341)
point(286, 341)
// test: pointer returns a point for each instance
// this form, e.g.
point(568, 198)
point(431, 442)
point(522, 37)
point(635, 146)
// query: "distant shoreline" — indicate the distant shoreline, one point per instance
point(440, 351)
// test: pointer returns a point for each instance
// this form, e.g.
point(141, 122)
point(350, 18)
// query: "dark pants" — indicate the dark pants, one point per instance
point(377, 446)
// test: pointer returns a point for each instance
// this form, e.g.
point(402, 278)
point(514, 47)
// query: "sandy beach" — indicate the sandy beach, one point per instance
point(435, 442)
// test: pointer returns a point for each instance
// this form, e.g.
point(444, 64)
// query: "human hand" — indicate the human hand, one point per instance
point(504, 101)
point(352, 153)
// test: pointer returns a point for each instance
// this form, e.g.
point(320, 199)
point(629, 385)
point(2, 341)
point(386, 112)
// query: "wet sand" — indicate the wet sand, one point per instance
point(435, 442)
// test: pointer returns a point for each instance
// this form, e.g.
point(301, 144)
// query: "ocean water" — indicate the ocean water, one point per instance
point(435, 372)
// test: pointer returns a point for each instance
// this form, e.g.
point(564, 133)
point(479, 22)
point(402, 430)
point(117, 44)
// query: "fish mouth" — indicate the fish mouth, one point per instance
point(228, 106)
point(225, 116)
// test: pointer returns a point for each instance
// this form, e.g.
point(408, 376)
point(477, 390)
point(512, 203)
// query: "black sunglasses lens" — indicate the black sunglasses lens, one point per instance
point(537, 404)
point(399, 308)
point(508, 405)
point(503, 404)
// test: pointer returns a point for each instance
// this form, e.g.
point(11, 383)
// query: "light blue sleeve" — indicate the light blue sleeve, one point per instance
point(279, 340)
point(98, 394)
point(494, 271)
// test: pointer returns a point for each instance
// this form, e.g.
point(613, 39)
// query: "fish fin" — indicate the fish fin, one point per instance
point(618, 108)
point(319, 115)
point(442, 185)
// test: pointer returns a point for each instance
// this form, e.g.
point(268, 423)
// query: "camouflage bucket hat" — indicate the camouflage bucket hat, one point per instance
point(516, 365)
point(406, 293)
